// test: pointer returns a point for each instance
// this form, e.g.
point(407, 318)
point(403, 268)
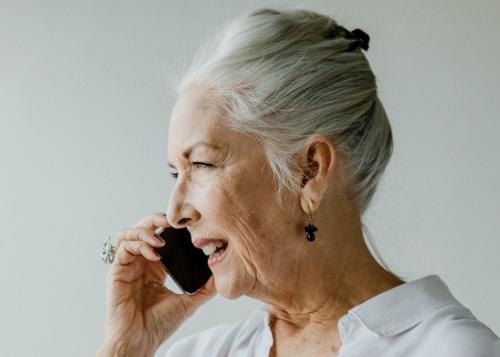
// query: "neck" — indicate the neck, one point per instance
point(337, 273)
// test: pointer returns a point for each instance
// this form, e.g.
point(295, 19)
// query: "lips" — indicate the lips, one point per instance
point(214, 248)
point(217, 256)
point(201, 242)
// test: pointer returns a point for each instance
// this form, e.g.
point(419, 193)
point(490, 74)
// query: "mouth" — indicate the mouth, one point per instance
point(215, 249)
point(218, 255)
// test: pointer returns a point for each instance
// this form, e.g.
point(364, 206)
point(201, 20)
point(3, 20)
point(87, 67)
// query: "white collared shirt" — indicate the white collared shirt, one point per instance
point(420, 318)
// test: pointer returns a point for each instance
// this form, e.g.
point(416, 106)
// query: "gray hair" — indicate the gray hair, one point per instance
point(280, 78)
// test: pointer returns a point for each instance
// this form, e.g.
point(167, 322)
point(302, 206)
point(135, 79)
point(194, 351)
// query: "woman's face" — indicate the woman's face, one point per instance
point(232, 199)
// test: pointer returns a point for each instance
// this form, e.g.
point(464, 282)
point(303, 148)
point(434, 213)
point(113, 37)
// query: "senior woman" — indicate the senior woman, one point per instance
point(277, 142)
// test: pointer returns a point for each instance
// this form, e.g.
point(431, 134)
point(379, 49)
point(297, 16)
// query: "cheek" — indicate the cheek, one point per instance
point(233, 197)
point(242, 213)
point(259, 230)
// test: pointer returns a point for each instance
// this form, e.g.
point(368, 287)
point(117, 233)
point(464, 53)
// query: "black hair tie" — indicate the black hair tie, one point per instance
point(361, 37)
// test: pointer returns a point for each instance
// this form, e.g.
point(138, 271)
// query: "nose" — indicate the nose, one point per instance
point(180, 213)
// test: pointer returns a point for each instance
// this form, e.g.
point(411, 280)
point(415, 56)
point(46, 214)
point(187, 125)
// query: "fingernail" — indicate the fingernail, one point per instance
point(159, 239)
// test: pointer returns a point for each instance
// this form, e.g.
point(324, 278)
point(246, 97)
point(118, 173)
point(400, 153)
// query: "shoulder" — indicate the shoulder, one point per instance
point(224, 339)
point(209, 342)
point(458, 333)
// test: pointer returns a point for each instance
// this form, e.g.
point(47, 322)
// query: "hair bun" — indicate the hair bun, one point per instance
point(362, 37)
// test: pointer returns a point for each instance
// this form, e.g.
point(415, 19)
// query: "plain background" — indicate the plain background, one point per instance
point(84, 110)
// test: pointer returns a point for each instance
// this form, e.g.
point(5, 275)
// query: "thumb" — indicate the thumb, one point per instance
point(207, 292)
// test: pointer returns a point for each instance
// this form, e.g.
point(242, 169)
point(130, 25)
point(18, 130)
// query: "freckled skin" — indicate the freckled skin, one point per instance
point(307, 286)
point(233, 200)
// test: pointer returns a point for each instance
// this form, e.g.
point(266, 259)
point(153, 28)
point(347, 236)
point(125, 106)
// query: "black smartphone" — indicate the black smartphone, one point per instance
point(186, 264)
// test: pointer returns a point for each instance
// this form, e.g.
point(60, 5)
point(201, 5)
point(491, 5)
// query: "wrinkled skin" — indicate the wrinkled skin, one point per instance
point(307, 286)
point(141, 313)
point(233, 200)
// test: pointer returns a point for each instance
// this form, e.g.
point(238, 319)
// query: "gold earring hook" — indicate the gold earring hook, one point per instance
point(310, 210)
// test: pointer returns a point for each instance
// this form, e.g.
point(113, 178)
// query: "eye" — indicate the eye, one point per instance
point(197, 164)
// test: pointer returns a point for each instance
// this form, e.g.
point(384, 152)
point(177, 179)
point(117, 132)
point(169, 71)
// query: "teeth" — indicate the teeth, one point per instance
point(219, 244)
point(209, 248)
point(212, 247)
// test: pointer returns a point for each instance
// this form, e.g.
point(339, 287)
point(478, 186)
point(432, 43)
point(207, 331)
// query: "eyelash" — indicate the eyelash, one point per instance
point(193, 163)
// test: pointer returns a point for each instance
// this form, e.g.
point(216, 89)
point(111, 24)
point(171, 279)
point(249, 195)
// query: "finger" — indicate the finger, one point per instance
point(192, 302)
point(131, 249)
point(145, 234)
point(153, 221)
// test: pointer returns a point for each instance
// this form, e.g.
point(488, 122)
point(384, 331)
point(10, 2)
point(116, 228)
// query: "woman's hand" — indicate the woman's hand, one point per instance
point(141, 313)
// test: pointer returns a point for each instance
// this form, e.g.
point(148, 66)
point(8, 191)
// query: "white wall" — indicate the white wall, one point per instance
point(84, 110)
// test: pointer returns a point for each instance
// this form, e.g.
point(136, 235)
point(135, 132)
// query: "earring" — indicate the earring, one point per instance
point(310, 228)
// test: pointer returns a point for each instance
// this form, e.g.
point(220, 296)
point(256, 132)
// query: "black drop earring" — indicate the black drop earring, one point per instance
point(310, 228)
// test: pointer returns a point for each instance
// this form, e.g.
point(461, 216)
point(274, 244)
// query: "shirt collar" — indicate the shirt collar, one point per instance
point(399, 308)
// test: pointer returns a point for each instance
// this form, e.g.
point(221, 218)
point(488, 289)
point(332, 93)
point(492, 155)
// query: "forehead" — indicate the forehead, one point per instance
point(194, 109)
point(195, 117)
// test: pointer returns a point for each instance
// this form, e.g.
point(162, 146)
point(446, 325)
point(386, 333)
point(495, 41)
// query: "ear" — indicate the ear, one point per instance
point(317, 159)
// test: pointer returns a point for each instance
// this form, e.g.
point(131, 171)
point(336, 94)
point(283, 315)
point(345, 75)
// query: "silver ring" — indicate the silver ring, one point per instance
point(108, 251)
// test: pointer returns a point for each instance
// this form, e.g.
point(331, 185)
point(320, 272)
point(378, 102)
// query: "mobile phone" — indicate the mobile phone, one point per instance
point(186, 264)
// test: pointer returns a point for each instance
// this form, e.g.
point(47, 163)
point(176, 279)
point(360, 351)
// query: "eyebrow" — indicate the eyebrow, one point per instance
point(187, 152)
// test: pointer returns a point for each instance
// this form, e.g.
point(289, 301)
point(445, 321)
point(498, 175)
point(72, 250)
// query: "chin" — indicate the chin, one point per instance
point(227, 288)
point(230, 285)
